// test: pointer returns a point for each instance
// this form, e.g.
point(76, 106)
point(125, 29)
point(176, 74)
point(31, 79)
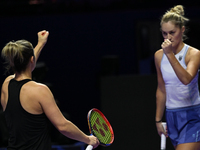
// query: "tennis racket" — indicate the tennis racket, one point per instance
point(99, 127)
point(163, 138)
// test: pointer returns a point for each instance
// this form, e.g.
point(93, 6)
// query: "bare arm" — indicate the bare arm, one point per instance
point(42, 39)
point(4, 91)
point(192, 61)
point(160, 93)
point(65, 126)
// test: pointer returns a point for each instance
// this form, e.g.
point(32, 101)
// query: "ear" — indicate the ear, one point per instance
point(183, 29)
point(32, 62)
point(32, 59)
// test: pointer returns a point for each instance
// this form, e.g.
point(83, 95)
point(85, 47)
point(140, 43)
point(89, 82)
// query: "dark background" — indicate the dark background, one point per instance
point(99, 54)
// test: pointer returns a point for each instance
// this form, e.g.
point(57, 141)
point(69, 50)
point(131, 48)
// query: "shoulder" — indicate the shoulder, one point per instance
point(193, 51)
point(158, 55)
point(41, 94)
point(159, 52)
point(193, 54)
point(37, 93)
point(37, 88)
point(6, 82)
point(4, 90)
point(9, 78)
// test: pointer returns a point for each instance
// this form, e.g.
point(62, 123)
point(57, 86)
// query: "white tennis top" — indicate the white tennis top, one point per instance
point(177, 94)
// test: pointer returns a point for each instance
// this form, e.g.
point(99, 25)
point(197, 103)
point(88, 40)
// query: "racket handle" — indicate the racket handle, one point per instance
point(163, 138)
point(89, 147)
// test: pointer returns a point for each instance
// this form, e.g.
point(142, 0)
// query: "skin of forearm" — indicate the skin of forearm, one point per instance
point(160, 105)
point(181, 73)
point(37, 50)
point(72, 131)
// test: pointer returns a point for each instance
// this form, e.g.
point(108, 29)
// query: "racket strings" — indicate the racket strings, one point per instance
point(100, 128)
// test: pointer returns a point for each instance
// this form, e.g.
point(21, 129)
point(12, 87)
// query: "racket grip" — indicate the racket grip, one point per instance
point(163, 138)
point(89, 147)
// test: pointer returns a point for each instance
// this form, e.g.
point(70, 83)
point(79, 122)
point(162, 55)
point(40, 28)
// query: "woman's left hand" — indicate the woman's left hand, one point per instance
point(43, 37)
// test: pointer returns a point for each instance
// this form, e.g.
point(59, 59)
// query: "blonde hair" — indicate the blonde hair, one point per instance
point(17, 55)
point(176, 16)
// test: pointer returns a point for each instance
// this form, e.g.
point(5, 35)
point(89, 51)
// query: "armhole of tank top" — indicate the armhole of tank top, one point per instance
point(187, 47)
point(162, 59)
point(11, 80)
point(24, 110)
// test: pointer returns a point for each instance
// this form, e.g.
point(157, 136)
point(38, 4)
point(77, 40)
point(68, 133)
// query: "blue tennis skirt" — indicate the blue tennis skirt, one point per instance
point(183, 124)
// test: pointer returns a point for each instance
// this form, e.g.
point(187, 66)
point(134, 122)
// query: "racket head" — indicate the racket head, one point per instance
point(100, 127)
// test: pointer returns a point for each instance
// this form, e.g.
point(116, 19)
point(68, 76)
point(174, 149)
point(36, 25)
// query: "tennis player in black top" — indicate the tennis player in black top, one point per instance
point(29, 106)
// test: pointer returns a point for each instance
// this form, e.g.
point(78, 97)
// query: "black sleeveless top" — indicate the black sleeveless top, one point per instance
point(26, 131)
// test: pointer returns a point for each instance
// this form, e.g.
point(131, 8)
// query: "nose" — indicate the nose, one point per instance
point(169, 36)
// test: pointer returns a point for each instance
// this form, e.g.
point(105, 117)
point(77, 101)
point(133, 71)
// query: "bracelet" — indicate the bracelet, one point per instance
point(158, 121)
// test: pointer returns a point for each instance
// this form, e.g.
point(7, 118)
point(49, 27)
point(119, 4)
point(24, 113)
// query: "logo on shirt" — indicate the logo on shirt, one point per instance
point(180, 58)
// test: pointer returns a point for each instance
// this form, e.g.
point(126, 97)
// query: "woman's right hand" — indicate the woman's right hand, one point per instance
point(93, 141)
point(161, 129)
point(167, 46)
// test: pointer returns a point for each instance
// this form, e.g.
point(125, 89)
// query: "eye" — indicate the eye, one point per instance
point(164, 33)
point(172, 32)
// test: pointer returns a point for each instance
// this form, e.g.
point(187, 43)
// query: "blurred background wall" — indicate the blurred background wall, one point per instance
point(99, 54)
